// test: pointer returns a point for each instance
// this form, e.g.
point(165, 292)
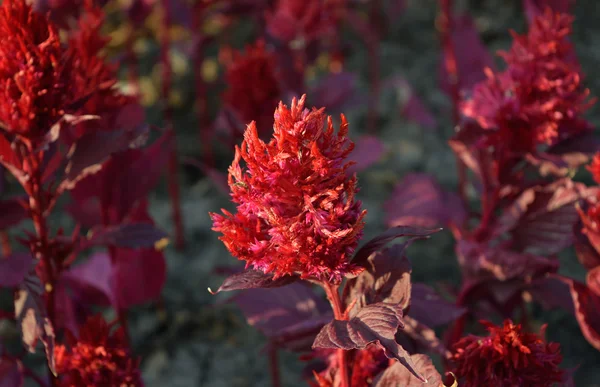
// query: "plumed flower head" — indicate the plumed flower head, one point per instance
point(253, 89)
point(34, 71)
point(540, 97)
point(97, 358)
point(507, 357)
point(296, 211)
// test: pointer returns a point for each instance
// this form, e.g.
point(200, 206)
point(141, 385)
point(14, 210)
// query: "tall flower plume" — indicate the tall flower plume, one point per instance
point(34, 71)
point(540, 97)
point(507, 357)
point(296, 211)
point(253, 89)
point(97, 358)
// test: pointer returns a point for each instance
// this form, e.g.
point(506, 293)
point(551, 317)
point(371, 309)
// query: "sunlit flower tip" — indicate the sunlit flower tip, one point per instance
point(296, 207)
point(97, 358)
point(506, 357)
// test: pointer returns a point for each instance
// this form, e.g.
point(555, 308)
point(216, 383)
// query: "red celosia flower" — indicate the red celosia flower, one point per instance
point(97, 358)
point(507, 357)
point(304, 20)
point(296, 207)
point(539, 98)
point(34, 71)
point(253, 89)
point(365, 366)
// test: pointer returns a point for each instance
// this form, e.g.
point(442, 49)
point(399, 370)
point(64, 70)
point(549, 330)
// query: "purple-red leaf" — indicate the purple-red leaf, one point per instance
point(253, 279)
point(552, 292)
point(336, 91)
point(293, 312)
point(368, 150)
point(397, 375)
point(423, 336)
point(11, 372)
point(377, 243)
point(386, 279)
point(418, 200)
point(32, 317)
point(375, 323)
point(427, 307)
point(587, 311)
point(481, 261)
point(129, 235)
point(412, 108)
point(91, 281)
point(587, 254)
point(138, 277)
point(14, 268)
point(471, 55)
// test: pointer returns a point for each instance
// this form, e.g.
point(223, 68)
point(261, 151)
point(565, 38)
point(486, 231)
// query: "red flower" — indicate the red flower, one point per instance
point(594, 168)
point(304, 20)
point(507, 357)
point(539, 98)
point(253, 89)
point(98, 358)
point(366, 365)
point(296, 207)
point(34, 71)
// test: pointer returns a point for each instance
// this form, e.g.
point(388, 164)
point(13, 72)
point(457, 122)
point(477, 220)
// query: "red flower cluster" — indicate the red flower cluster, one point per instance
point(98, 358)
point(296, 207)
point(304, 20)
point(34, 71)
point(254, 89)
point(507, 357)
point(539, 98)
point(41, 79)
point(366, 365)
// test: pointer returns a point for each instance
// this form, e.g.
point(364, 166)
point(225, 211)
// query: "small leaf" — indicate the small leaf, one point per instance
point(424, 336)
point(397, 375)
point(335, 90)
point(253, 279)
point(33, 319)
point(375, 244)
point(587, 254)
point(368, 151)
point(91, 280)
point(427, 307)
point(587, 311)
point(419, 201)
point(14, 268)
point(375, 323)
point(129, 235)
point(551, 292)
point(138, 276)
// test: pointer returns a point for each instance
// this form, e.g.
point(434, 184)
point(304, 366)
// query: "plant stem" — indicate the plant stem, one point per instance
point(173, 165)
point(339, 314)
point(453, 78)
point(274, 365)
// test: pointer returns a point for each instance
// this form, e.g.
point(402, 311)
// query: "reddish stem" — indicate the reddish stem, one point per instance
point(274, 365)
point(446, 26)
point(206, 134)
point(339, 314)
point(172, 178)
point(5, 242)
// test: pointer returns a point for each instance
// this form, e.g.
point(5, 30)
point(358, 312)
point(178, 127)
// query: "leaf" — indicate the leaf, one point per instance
point(387, 279)
point(552, 292)
point(253, 279)
point(129, 235)
point(587, 312)
point(419, 201)
point(367, 152)
point(427, 307)
point(480, 261)
point(424, 336)
point(91, 280)
point(32, 318)
point(472, 57)
point(593, 280)
point(587, 254)
point(11, 373)
point(547, 224)
point(375, 323)
point(291, 315)
point(138, 276)
point(398, 376)
point(375, 244)
point(335, 90)
point(14, 268)
point(412, 108)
